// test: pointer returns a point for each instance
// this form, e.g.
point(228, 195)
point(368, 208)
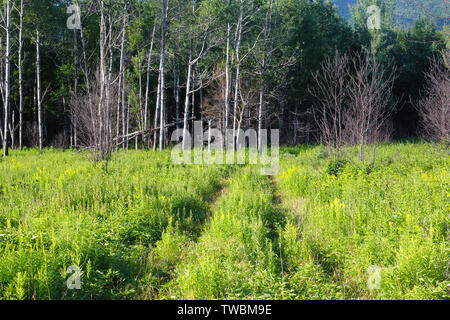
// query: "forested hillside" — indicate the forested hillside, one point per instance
point(406, 11)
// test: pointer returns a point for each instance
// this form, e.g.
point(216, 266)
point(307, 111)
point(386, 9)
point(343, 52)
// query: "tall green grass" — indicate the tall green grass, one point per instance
point(58, 210)
point(236, 255)
point(394, 215)
point(150, 229)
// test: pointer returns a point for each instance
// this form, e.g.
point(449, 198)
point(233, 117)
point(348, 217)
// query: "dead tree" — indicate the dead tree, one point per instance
point(39, 95)
point(434, 108)
point(331, 91)
point(147, 88)
point(92, 136)
point(121, 72)
point(200, 44)
point(7, 86)
point(370, 98)
point(162, 70)
point(20, 64)
point(353, 102)
point(95, 110)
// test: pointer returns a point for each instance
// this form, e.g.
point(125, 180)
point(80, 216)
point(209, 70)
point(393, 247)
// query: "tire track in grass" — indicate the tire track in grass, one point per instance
point(168, 252)
point(235, 258)
point(302, 278)
point(219, 195)
point(250, 249)
point(292, 206)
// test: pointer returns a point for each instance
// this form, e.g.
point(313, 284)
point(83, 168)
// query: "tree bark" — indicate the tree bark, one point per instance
point(21, 76)
point(121, 72)
point(267, 30)
point(176, 92)
point(147, 88)
point(238, 74)
point(187, 100)
point(7, 78)
point(38, 86)
point(157, 112)
point(228, 81)
point(102, 78)
point(162, 72)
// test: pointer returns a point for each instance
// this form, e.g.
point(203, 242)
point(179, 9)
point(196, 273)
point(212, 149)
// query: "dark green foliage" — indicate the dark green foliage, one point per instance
point(335, 166)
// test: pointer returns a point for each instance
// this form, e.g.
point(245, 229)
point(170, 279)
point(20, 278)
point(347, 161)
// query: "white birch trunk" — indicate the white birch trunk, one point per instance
point(102, 78)
point(38, 86)
point(176, 93)
point(7, 78)
point(162, 72)
point(238, 75)
point(157, 112)
point(147, 88)
point(186, 102)
point(121, 71)
point(21, 76)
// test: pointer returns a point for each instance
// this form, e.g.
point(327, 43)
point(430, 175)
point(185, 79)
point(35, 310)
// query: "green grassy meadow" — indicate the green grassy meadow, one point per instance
point(149, 229)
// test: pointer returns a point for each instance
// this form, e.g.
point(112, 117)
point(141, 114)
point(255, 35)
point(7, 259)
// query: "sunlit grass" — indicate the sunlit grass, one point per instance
point(150, 229)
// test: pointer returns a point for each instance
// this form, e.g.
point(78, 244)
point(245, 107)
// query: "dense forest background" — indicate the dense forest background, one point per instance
point(229, 63)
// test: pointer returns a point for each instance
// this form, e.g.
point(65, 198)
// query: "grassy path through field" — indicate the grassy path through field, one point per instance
point(303, 275)
point(170, 250)
point(235, 257)
point(293, 207)
point(251, 248)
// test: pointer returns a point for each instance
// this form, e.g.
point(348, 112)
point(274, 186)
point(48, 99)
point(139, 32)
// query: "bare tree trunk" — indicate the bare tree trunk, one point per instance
point(194, 65)
point(12, 130)
point(141, 122)
point(147, 89)
point(121, 72)
point(228, 81)
point(102, 77)
point(267, 29)
point(7, 78)
point(86, 74)
point(38, 84)
point(176, 92)
point(260, 117)
point(157, 112)
point(189, 81)
point(186, 101)
point(107, 117)
point(21, 76)
point(127, 131)
point(162, 72)
point(124, 107)
point(201, 103)
point(75, 89)
point(238, 74)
